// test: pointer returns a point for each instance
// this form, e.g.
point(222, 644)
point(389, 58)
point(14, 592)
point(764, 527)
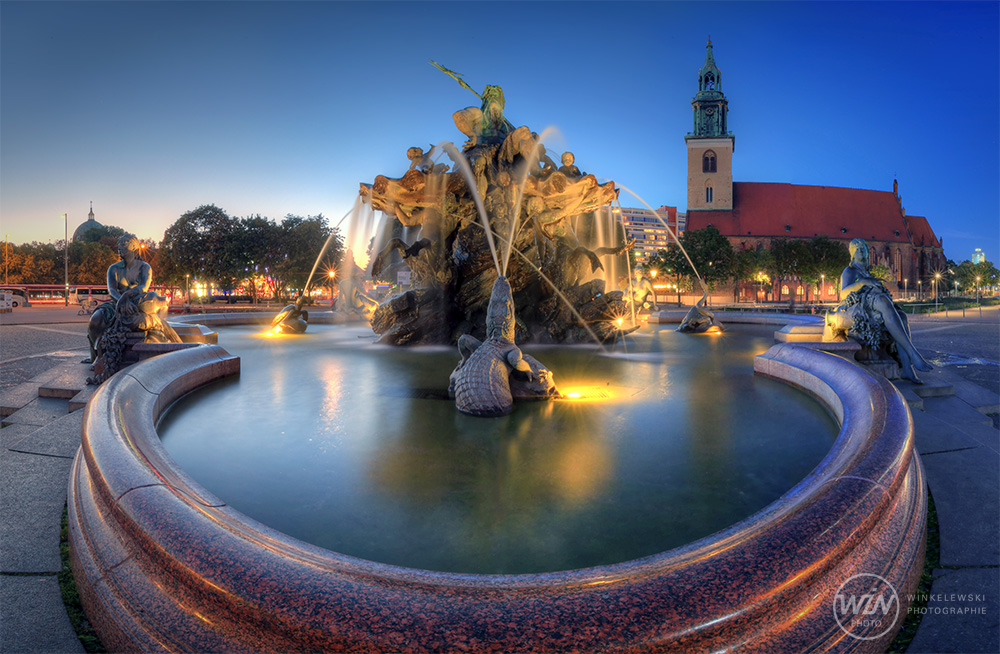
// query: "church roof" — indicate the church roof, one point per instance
point(797, 211)
point(923, 235)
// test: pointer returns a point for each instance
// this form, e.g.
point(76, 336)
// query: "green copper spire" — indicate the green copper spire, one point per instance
point(709, 77)
point(710, 104)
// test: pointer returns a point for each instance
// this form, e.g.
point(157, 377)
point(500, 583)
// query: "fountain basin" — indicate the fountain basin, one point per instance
point(163, 565)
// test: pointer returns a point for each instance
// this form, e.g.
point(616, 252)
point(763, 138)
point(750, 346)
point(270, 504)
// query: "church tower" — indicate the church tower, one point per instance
point(710, 146)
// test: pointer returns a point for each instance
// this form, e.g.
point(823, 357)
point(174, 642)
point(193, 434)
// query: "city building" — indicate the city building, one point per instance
point(648, 231)
point(978, 256)
point(752, 214)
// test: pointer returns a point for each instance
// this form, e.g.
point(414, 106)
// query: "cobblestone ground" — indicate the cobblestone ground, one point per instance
point(972, 349)
point(39, 340)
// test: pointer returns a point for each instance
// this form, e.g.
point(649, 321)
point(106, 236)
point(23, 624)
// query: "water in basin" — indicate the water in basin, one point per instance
point(355, 447)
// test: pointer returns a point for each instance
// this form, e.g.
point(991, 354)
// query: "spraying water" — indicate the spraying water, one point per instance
point(548, 132)
point(672, 234)
point(470, 180)
point(329, 239)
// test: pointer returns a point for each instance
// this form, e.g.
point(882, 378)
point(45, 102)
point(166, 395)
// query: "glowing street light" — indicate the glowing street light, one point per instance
point(937, 277)
point(331, 274)
point(904, 285)
point(920, 290)
point(822, 287)
point(977, 290)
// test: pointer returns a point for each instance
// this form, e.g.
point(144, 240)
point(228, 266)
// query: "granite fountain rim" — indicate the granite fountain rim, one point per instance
point(133, 455)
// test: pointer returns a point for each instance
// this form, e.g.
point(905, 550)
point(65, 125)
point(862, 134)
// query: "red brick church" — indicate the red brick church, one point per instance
point(751, 214)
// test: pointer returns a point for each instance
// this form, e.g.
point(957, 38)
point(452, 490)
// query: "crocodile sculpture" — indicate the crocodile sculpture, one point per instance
point(493, 372)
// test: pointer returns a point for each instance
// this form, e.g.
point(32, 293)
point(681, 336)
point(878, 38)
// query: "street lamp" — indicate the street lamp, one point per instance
point(920, 290)
point(904, 286)
point(6, 258)
point(937, 277)
point(187, 288)
point(65, 217)
point(331, 274)
point(822, 287)
point(977, 290)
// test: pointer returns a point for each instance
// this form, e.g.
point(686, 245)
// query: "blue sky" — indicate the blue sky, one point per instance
point(152, 109)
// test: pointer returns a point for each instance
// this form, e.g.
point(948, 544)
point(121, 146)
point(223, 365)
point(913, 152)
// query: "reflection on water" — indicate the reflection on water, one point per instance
point(351, 447)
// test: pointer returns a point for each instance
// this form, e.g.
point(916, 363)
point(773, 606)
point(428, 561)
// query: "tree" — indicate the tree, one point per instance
point(259, 243)
point(202, 243)
point(89, 262)
point(106, 234)
point(788, 259)
point(749, 265)
point(301, 241)
point(825, 259)
point(34, 263)
point(709, 251)
point(972, 275)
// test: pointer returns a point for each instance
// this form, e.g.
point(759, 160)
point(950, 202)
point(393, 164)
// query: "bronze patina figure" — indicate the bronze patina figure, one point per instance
point(483, 382)
point(533, 210)
point(869, 315)
point(640, 291)
point(293, 319)
point(133, 309)
point(699, 319)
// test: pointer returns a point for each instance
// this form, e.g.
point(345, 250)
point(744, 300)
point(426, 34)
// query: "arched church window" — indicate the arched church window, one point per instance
point(708, 164)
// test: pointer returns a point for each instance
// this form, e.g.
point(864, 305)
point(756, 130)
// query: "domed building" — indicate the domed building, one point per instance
point(90, 223)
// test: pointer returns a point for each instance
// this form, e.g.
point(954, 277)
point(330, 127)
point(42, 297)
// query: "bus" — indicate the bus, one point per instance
point(87, 293)
point(39, 293)
point(19, 296)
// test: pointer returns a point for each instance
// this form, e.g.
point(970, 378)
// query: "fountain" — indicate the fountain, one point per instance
point(496, 203)
point(164, 563)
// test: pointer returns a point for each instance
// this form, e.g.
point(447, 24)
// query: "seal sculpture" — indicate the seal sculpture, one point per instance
point(293, 319)
point(699, 319)
point(482, 382)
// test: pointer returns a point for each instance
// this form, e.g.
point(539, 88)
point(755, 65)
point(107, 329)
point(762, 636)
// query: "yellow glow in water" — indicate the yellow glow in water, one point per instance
point(587, 393)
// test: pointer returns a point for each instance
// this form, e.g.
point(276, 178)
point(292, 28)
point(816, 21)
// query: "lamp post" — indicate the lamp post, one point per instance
point(331, 274)
point(66, 257)
point(822, 287)
point(977, 291)
point(937, 276)
point(6, 258)
point(956, 289)
point(904, 286)
point(920, 290)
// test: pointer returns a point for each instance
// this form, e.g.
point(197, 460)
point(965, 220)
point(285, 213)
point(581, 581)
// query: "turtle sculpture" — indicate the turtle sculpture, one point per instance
point(495, 371)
